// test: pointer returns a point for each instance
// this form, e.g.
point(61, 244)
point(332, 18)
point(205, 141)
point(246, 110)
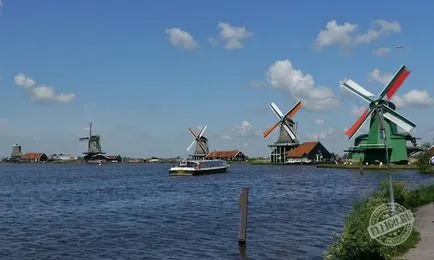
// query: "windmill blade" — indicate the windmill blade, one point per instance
point(192, 133)
point(358, 124)
point(276, 110)
point(203, 130)
point(83, 138)
point(188, 149)
point(293, 110)
point(269, 130)
point(289, 131)
point(398, 119)
point(395, 83)
point(358, 90)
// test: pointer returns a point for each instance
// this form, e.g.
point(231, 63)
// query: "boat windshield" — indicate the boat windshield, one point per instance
point(187, 164)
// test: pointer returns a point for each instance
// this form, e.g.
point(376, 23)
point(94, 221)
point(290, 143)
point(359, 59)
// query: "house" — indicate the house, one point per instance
point(34, 157)
point(309, 151)
point(62, 157)
point(234, 155)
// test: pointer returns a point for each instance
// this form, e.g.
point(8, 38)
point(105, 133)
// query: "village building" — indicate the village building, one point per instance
point(62, 157)
point(234, 155)
point(34, 157)
point(309, 152)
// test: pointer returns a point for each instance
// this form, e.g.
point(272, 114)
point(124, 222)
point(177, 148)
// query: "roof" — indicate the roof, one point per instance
point(431, 149)
point(223, 154)
point(301, 150)
point(32, 156)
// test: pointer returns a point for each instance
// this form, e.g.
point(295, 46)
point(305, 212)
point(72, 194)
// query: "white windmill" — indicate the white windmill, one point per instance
point(201, 141)
point(287, 132)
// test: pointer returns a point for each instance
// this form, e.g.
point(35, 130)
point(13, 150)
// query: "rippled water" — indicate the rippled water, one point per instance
point(137, 211)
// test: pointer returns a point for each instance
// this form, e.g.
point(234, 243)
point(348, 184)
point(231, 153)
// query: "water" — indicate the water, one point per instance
point(137, 211)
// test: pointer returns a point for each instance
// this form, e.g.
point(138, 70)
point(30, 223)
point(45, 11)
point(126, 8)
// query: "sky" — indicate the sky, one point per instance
point(144, 71)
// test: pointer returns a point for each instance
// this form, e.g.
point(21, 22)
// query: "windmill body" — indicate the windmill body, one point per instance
point(93, 145)
point(384, 125)
point(287, 138)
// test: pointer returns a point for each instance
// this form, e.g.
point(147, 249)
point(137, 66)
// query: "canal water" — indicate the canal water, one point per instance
point(136, 211)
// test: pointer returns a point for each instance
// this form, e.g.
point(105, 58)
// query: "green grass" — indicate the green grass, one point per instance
point(355, 243)
point(371, 166)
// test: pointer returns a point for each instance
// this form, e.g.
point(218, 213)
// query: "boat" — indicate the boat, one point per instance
point(298, 161)
point(198, 167)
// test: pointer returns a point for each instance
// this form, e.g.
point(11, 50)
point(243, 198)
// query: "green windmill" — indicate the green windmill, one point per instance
point(383, 137)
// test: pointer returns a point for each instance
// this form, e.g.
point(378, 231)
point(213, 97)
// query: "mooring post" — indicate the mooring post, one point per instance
point(244, 201)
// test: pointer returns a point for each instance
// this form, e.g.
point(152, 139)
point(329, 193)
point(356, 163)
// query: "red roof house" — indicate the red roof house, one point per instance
point(314, 151)
point(234, 155)
point(34, 157)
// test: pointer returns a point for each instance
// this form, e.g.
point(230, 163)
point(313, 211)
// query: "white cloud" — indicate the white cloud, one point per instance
point(23, 81)
point(382, 51)
point(347, 34)
point(358, 110)
point(181, 38)
point(244, 128)
point(414, 98)
point(231, 36)
point(378, 76)
point(282, 75)
point(321, 135)
point(41, 93)
point(318, 121)
point(225, 137)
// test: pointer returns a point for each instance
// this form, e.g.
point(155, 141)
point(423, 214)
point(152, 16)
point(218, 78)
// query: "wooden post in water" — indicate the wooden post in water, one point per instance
point(244, 201)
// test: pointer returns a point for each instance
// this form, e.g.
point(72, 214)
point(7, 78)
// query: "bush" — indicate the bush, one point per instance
point(355, 242)
point(423, 163)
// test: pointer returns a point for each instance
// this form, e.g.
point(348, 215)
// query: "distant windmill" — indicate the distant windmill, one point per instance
point(94, 143)
point(201, 141)
point(287, 139)
point(287, 126)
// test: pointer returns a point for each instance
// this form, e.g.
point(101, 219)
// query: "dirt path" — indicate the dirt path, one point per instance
point(424, 223)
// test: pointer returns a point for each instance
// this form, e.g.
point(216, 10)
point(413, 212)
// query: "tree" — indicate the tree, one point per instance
point(426, 145)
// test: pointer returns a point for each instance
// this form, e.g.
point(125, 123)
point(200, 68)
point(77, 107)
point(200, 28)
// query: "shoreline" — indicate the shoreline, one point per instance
point(424, 225)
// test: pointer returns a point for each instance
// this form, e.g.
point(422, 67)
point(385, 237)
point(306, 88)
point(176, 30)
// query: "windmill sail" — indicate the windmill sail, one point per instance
point(287, 131)
point(201, 147)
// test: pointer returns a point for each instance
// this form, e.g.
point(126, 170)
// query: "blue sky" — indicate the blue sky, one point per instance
point(145, 71)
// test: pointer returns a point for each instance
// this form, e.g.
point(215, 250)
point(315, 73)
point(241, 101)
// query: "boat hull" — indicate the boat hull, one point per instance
point(178, 171)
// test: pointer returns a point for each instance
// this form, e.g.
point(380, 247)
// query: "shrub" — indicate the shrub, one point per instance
point(355, 242)
point(423, 163)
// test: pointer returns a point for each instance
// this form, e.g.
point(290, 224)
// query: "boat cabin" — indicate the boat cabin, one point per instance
point(202, 164)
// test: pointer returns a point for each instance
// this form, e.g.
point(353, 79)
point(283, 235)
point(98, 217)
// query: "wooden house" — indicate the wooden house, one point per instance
point(234, 155)
point(309, 151)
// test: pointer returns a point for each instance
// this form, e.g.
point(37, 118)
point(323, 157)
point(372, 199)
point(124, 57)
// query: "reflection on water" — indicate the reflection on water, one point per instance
point(139, 212)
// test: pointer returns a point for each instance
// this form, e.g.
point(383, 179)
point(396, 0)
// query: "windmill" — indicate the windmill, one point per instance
point(201, 150)
point(383, 143)
point(287, 132)
point(93, 145)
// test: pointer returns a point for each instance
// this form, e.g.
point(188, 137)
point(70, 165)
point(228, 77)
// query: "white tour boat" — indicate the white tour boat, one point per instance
point(198, 167)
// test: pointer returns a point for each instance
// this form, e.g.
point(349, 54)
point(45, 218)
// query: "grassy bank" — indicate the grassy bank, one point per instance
point(372, 166)
point(355, 243)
